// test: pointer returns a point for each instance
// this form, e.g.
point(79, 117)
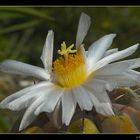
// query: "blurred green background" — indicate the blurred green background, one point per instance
point(23, 32)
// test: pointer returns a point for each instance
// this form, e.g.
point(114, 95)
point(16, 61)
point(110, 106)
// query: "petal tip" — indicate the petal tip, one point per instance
point(85, 15)
point(11, 107)
point(112, 35)
point(67, 122)
point(135, 47)
point(20, 128)
point(3, 105)
point(37, 112)
point(137, 44)
point(51, 31)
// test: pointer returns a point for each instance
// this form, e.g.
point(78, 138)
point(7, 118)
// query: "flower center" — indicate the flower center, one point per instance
point(70, 68)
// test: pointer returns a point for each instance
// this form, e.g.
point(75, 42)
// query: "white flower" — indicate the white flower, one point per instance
point(77, 77)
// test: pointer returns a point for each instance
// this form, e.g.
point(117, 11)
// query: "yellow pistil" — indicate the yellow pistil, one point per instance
point(70, 69)
point(65, 51)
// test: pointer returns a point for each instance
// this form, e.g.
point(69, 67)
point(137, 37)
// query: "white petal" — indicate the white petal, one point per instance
point(94, 88)
point(81, 51)
point(104, 108)
point(102, 97)
point(135, 62)
point(22, 92)
point(29, 114)
point(50, 101)
point(108, 52)
point(56, 116)
point(115, 56)
point(68, 107)
point(47, 53)
point(15, 67)
point(97, 91)
point(84, 24)
point(111, 51)
point(96, 85)
point(134, 74)
point(122, 80)
point(82, 98)
point(114, 68)
point(25, 100)
point(98, 48)
point(20, 103)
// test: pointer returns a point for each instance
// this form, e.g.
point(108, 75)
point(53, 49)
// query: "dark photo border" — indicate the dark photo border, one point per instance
point(70, 3)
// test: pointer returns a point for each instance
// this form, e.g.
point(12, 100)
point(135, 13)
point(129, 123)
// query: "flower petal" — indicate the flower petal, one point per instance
point(84, 24)
point(108, 52)
point(134, 74)
point(114, 68)
point(96, 85)
point(22, 92)
point(104, 108)
point(20, 103)
point(15, 67)
point(51, 100)
point(98, 48)
point(29, 114)
point(115, 56)
point(111, 51)
point(25, 100)
point(96, 89)
point(135, 62)
point(81, 51)
point(68, 107)
point(82, 98)
point(122, 80)
point(47, 53)
point(100, 94)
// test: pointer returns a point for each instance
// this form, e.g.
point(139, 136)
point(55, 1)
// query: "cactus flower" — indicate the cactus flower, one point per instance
point(76, 77)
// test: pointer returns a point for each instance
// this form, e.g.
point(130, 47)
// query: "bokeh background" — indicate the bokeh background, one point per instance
point(23, 32)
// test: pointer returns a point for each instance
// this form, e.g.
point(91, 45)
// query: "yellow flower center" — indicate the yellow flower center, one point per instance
point(70, 68)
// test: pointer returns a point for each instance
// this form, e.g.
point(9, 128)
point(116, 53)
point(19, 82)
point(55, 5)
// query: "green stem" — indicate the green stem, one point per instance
point(83, 120)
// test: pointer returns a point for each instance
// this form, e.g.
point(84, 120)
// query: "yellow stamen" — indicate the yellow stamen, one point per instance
point(65, 51)
point(70, 70)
